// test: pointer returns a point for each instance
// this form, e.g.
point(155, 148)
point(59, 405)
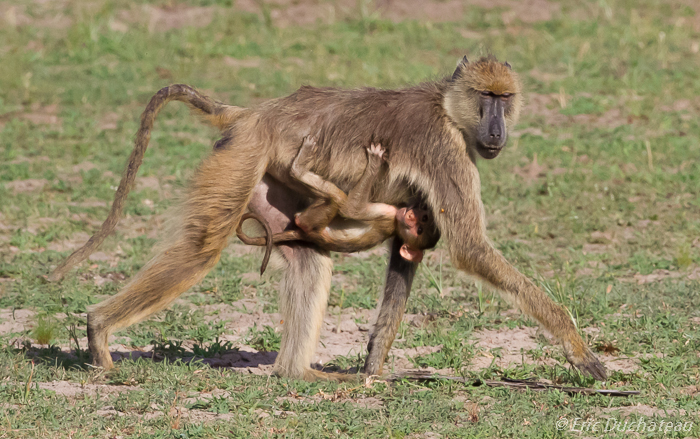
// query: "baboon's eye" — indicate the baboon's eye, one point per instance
point(506, 95)
point(485, 93)
point(420, 231)
point(425, 218)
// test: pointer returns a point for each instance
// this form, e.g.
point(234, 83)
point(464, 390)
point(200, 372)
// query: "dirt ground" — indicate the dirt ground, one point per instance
point(341, 336)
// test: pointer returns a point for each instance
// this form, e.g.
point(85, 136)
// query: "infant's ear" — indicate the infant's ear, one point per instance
point(410, 254)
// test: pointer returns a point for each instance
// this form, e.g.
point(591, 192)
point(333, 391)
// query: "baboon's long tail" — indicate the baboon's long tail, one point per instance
point(247, 240)
point(216, 113)
point(268, 240)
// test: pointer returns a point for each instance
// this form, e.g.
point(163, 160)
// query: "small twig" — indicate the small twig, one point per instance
point(538, 386)
point(650, 159)
point(175, 424)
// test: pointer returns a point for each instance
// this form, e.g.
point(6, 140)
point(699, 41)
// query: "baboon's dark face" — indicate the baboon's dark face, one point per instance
point(492, 134)
point(484, 100)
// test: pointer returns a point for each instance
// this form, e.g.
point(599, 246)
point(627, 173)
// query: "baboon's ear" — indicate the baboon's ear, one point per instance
point(460, 65)
point(411, 254)
point(507, 65)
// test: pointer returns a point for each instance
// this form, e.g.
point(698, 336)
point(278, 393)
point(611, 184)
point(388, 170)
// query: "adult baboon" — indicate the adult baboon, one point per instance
point(432, 132)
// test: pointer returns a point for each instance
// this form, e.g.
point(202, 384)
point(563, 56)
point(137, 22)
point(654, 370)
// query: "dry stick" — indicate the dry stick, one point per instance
point(518, 384)
point(175, 424)
point(650, 159)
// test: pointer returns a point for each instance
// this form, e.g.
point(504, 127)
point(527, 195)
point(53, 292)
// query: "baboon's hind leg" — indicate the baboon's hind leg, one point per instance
point(303, 288)
point(220, 192)
point(303, 298)
point(160, 282)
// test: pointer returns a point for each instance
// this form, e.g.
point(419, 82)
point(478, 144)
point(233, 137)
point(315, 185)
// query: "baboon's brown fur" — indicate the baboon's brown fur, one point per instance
point(432, 133)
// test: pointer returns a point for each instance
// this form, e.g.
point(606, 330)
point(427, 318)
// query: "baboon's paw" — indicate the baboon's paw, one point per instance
point(589, 365)
point(97, 343)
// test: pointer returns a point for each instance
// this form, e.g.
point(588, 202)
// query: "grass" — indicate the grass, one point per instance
point(597, 198)
point(265, 339)
point(45, 331)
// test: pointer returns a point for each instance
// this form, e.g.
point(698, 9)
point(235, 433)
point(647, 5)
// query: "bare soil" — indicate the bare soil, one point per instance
point(343, 334)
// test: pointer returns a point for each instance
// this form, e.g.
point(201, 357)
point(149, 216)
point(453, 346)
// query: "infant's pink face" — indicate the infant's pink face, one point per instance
point(411, 222)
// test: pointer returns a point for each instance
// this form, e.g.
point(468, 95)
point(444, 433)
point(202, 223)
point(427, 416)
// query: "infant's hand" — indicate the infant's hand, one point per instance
point(310, 142)
point(376, 149)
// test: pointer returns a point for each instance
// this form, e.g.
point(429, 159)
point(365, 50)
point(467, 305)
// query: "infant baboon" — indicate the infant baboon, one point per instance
point(361, 224)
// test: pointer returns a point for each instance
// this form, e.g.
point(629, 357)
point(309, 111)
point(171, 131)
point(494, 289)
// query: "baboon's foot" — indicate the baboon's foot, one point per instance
point(373, 365)
point(97, 342)
point(298, 220)
point(586, 361)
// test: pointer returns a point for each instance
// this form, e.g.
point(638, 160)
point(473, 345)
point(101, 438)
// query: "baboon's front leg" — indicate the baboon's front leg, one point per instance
point(481, 259)
point(399, 277)
point(459, 214)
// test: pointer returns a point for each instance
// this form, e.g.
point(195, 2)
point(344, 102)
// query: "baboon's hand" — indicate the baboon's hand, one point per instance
point(586, 361)
point(376, 149)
